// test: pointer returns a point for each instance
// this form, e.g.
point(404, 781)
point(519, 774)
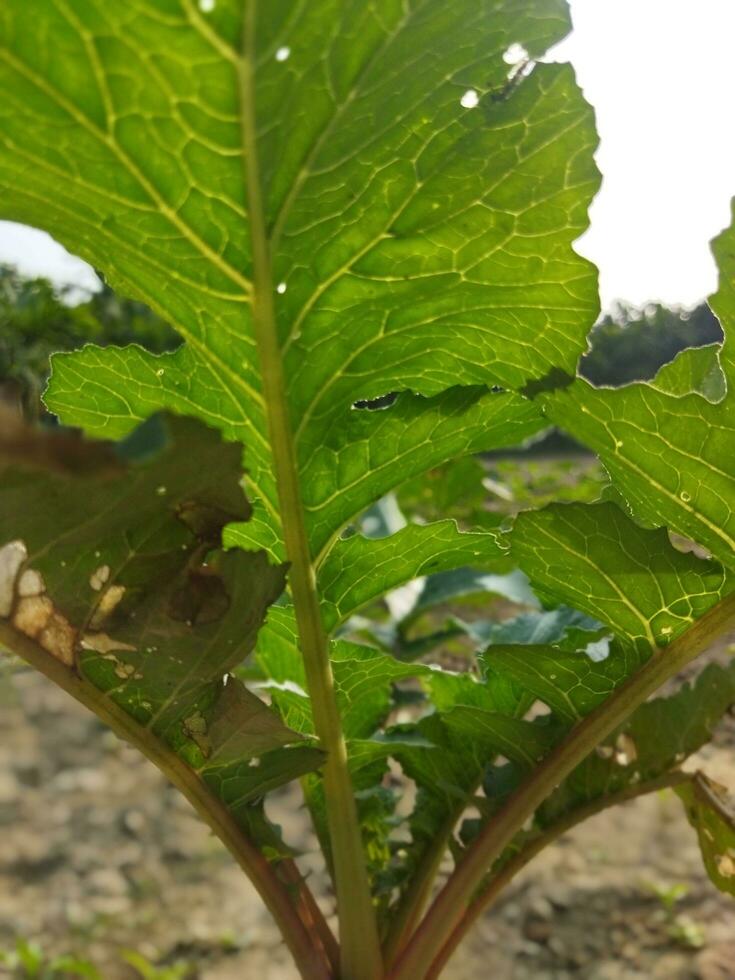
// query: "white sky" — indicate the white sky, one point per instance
point(659, 73)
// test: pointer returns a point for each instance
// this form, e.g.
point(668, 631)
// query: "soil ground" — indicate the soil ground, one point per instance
point(98, 855)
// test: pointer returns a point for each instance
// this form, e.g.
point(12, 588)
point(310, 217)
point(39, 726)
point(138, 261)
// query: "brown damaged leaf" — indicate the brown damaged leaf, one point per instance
point(25, 603)
point(710, 811)
point(54, 450)
point(111, 561)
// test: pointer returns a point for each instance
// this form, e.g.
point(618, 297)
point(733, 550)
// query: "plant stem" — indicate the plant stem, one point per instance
point(417, 894)
point(452, 902)
point(502, 879)
point(309, 958)
point(310, 913)
point(361, 958)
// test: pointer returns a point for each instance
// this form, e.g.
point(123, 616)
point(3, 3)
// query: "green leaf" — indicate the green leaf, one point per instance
point(491, 693)
point(669, 453)
point(568, 681)
point(448, 771)
point(708, 812)
point(658, 737)
point(696, 369)
point(596, 559)
point(455, 489)
point(303, 193)
point(113, 566)
point(362, 676)
point(359, 569)
point(475, 720)
point(122, 387)
point(406, 248)
point(523, 742)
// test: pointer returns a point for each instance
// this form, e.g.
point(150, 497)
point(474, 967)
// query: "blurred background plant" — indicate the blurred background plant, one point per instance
point(28, 961)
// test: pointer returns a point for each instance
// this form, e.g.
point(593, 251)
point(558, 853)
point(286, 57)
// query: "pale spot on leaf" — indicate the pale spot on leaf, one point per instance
point(195, 726)
point(283, 54)
point(12, 556)
point(725, 865)
point(99, 577)
point(107, 604)
point(31, 583)
point(36, 617)
point(103, 643)
point(625, 750)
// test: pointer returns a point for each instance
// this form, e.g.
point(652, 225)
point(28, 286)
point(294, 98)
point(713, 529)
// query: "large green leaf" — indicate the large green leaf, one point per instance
point(595, 558)
point(355, 464)
point(410, 235)
point(113, 567)
point(669, 452)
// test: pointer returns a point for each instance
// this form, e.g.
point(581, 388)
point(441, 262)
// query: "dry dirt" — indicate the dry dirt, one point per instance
point(98, 855)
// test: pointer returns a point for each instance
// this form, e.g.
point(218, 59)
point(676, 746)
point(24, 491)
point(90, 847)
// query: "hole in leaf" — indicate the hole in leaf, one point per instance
point(539, 709)
point(514, 54)
point(281, 288)
point(377, 404)
point(625, 750)
point(207, 6)
point(283, 54)
point(470, 100)
point(12, 556)
point(99, 577)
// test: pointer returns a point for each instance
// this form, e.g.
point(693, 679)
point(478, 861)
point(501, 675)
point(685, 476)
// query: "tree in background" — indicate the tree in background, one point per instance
point(38, 318)
point(631, 344)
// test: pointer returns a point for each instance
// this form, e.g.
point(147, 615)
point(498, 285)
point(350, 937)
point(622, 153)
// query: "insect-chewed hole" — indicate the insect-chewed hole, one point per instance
point(470, 100)
point(515, 54)
point(376, 404)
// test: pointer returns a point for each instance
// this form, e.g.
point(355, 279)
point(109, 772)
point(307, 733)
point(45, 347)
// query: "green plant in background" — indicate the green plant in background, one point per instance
point(149, 971)
point(334, 201)
point(36, 319)
point(27, 961)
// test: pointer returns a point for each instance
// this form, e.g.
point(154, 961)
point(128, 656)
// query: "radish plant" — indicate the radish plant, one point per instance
point(359, 217)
